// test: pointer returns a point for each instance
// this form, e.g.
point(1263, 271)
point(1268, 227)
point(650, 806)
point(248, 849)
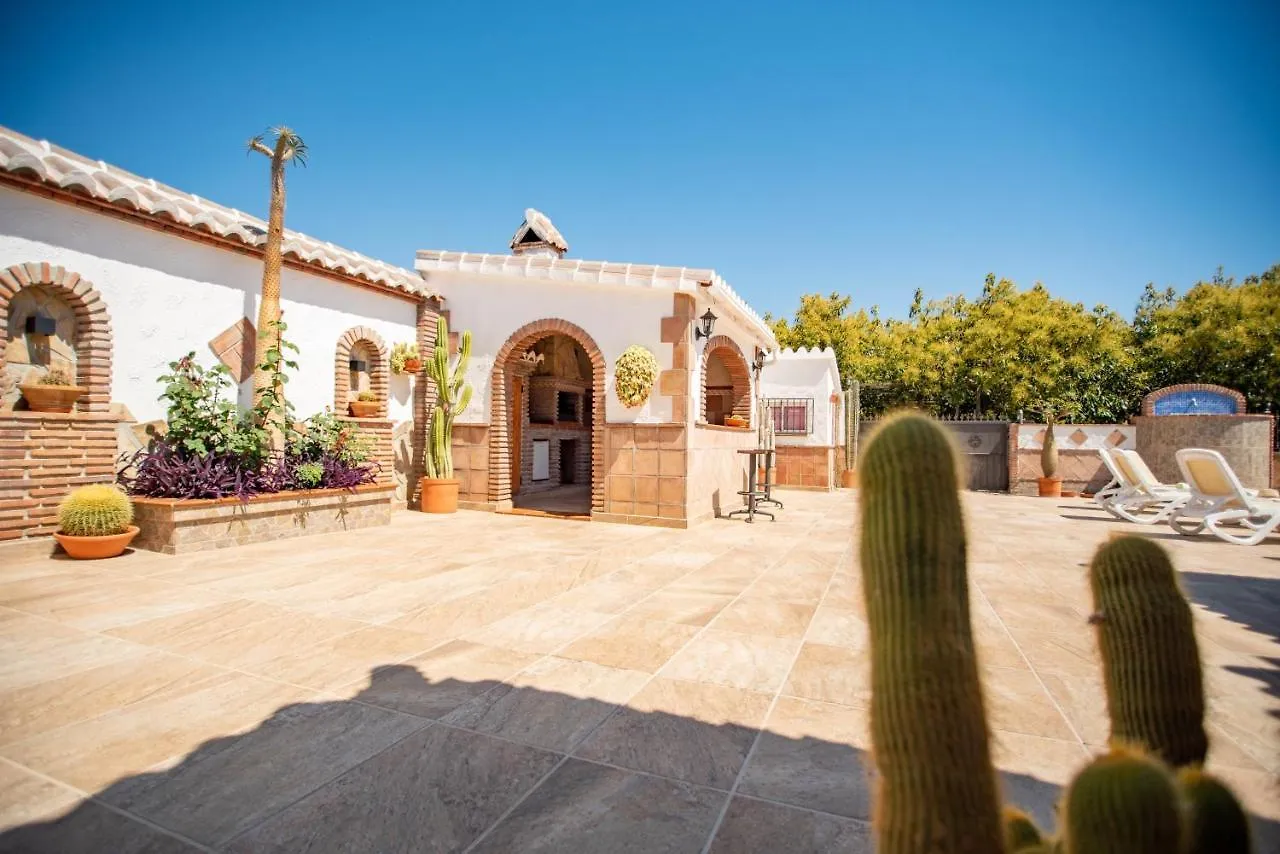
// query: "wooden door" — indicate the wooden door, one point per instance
point(517, 430)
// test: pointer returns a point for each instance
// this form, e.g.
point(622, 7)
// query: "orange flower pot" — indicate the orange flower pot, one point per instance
point(95, 548)
point(439, 495)
point(848, 479)
point(363, 408)
point(51, 398)
point(412, 366)
point(1050, 487)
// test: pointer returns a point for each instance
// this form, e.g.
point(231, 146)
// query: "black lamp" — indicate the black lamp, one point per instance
point(708, 324)
point(758, 362)
point(41, 324)
point(358, 365)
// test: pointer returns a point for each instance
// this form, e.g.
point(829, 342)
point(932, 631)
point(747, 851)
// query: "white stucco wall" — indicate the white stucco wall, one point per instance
point(805, 376)
point(494, 308)
point(168, 295)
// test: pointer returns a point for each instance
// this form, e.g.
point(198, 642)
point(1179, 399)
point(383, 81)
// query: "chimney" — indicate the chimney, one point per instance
point(537, 236)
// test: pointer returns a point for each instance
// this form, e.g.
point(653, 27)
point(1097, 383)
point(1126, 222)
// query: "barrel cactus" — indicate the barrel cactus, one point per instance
point(98, 510)
point(936, 787)
point(1150, 660)
point(1020, 832)
point(1124, 802)
point(1216, 823)
point(453, 393)
point(634, 374)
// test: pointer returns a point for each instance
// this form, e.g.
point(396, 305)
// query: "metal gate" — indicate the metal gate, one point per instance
point(985, 445)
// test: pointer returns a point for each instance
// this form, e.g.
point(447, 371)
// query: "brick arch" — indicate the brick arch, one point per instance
point(93, 325)
point(500, 421)
point(739, 373)
point(379, 371)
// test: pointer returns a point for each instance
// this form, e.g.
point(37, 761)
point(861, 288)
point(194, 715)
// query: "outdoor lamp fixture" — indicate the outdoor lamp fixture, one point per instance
point(358, 365)
point(41, 324)
point(708, 325)
point(758, 362)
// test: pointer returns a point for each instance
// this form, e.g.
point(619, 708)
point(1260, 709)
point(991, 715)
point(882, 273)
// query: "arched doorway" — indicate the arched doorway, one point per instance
point(546, 449)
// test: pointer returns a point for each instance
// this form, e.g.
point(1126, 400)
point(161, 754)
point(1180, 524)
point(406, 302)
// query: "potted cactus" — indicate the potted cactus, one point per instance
point(364, 406)
point(405, 359)
point(439, 488)
point(54, 392)
point(94, 522)
point(852, 421)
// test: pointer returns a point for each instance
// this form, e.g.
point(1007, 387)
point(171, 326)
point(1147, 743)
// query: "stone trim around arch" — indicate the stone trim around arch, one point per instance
point(93, 325)
point(739, 373)
point(500, 426)
point(1149, 400)
point(379, 371)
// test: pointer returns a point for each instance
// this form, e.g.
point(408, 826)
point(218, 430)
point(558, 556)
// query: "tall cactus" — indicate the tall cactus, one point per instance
point(453, 393)
point(1216, 823)
point(936, 788)
point(852, 421)
point(1150, 660)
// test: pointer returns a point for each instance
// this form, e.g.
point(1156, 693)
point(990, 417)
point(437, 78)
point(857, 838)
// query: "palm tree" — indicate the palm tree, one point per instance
point(289, 148)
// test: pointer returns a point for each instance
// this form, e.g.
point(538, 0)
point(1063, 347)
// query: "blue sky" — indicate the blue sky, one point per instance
point(867, 148)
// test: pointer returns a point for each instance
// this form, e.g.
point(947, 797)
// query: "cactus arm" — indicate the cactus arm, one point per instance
point(453, 394)
point(1122, 803)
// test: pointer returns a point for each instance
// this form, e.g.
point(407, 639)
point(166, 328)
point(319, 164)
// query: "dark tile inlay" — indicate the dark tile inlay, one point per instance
point(812, 773)
point(586, 808)
point(756, 827)
point(434, 792)
point(91, 828)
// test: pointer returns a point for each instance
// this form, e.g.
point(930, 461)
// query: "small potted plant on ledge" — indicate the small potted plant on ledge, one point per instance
point(94, 522)
point(54, 392)
point(364, 406)
point(439, 487)
point(735, 421)
point(405, 359)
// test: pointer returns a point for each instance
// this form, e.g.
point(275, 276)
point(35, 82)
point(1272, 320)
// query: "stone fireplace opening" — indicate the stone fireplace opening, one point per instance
point(550, 395)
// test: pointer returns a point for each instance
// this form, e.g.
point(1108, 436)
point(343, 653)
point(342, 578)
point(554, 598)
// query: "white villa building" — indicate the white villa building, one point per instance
point(136, 274)
point(802, 391)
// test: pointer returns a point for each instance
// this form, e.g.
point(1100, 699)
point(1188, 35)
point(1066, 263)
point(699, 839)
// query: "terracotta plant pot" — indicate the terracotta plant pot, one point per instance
point(412, 366)
point(735, 421)
point(848, 479)
point(94, 548)
point(1070, 493)
point(363, 408)
point(1050, 487)
point(51, 398)
point(439, 495)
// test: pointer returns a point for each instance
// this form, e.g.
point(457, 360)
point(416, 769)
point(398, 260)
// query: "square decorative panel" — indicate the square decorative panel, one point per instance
point(234, 347)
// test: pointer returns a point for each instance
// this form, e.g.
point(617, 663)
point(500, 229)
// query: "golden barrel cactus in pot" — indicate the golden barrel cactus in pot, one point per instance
point(95, 521)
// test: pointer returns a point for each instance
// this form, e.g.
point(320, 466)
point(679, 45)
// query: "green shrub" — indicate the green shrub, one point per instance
point(97, 510)
point(401, 353)
point(322, 435)
point(309, 475)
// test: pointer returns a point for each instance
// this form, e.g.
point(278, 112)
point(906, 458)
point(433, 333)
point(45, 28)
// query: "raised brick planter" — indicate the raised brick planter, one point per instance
point(181, 527)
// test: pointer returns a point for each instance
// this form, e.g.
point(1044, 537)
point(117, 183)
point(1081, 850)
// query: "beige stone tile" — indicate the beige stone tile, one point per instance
point(651, 573)
point(1083, 701)
point(141, 675)
point(783, 584)
point(681, 606)
point(690, 731)
point(1061, 653)
point(752, 615)
point(28, 798)
point(457, 617)
point(1017, 702)
point(754, 662)
point(832, 674)
point(603, 596)
point(591, 809)
point(435, 683)
point(125, 600)
point(92, 754)
point(728, 580)
point(542, 629)
point(553, 704)
point(631, 643)
point(344, 659)
point(35, 650)
point(838, 627)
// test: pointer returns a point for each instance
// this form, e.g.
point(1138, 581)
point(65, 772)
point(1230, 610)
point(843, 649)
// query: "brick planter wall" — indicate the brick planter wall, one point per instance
point(803, 467)
point(181, 527)
point(383, 448)
point(45, 455)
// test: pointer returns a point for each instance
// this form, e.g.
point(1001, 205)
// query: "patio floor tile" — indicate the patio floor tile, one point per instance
point(435, 683)
point(758, 827)
point(755, 616)
point(590, 809)
point(832, 674)
point(754, 662)
point(631, 643)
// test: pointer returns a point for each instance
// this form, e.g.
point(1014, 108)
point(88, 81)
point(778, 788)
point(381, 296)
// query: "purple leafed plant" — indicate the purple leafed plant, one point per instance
point(162, 471)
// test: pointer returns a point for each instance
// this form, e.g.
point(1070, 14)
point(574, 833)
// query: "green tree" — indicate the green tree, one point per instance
point(1217, 332)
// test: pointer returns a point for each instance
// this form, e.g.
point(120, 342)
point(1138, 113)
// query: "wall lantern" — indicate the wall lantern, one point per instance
point(358, 365)
point(758, 362)
point(41, 324)
point(708, 325)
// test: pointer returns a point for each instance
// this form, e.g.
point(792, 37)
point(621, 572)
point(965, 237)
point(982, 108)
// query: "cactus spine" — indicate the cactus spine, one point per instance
point(1124, 802)
point(98, 510)
point(1150, 661)
point(936, 787)
point(1216, 823)
point(453, 393)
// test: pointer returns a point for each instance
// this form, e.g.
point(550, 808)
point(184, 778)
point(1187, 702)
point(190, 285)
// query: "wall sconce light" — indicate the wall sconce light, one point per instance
point(41, 324)
point(707, 327)
point(758, 362)
point(358, 365)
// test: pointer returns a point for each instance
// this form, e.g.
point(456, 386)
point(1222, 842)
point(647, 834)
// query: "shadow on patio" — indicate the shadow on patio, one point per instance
point(374, 773)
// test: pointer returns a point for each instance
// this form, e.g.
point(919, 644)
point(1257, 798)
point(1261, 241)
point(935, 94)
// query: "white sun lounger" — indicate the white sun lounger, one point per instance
point(1220, 502)
point(1137, 496)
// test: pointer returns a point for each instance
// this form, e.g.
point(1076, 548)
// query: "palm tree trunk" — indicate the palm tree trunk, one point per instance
point(269, 306)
